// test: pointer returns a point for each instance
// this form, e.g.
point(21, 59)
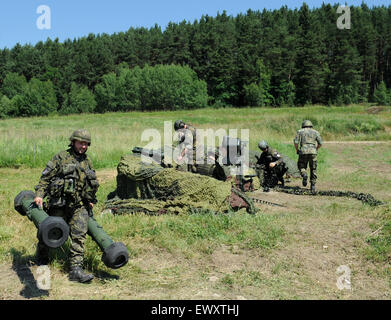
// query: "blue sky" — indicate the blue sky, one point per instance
point(73, 19)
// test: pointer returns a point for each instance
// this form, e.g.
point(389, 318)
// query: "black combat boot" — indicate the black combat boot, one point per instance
point(313, 190)
point(77, 274)
point(305, 178)
point(282, 182)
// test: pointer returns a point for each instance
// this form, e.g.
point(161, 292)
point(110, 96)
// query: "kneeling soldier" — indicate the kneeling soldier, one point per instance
point(272, 164)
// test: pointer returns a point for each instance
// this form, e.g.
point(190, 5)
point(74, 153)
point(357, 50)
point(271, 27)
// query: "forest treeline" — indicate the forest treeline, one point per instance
point(283, 57)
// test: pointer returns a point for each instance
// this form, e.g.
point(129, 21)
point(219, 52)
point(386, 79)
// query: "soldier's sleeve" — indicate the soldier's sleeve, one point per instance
point(319, 139)
point(189, 139)
point(261, 159)
point(47, 176)
point(296, 140)
point(93, 183)
point(277, 157)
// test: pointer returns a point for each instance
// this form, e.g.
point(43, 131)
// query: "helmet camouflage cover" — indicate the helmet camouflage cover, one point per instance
point(263, 145)
point(81, 135)
point(306, 123)
point(179, 124)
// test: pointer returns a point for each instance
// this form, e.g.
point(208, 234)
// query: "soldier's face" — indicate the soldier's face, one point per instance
point(80, 146)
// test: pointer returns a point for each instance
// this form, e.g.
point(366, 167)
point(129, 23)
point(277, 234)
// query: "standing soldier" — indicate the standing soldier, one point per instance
point(273, 166)
point(69, 182)
point(188, 136)
point(307, 143)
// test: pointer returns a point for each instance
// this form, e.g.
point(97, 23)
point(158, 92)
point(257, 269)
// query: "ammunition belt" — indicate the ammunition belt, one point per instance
point(364, 197)
point(267, 202)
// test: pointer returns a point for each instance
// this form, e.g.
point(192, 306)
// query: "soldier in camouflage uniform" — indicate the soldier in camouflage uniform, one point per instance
point(188, 136)
point(307, 143)
point(69, 182)
point(272, 165)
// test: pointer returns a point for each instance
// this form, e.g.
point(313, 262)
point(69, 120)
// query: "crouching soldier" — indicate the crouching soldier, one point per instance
point(272, 165)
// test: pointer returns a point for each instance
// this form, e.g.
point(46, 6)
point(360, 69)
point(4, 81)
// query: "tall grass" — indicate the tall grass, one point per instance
point(31, 142)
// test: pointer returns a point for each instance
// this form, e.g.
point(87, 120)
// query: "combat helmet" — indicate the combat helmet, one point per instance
point(81, 135)
point(263, 145)
point(179, 124)
point(306, 123)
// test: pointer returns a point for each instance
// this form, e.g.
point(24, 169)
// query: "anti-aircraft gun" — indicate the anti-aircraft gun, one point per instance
point(234, 156)
point(221, 169)
point(54, 231)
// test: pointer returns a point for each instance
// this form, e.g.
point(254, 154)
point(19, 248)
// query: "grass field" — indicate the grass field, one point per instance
point(280, 253)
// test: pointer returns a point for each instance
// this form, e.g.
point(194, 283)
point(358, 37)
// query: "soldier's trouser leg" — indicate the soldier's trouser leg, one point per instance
point(313, 162)
point(42, 250)
point(42, 253)
point(302, 164)
point(78, 231)
point(280, 170)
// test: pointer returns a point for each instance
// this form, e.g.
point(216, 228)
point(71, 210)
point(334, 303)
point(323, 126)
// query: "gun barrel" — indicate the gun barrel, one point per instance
point(52, 231)
point(115, 254)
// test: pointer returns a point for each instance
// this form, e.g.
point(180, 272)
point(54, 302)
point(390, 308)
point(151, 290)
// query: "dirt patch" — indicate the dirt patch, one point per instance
point(375, 109)
point(325, 245)
point(18, 282)
point(105, 175)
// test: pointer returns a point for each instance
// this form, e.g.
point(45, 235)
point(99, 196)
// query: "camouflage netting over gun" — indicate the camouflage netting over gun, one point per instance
point(151, 189)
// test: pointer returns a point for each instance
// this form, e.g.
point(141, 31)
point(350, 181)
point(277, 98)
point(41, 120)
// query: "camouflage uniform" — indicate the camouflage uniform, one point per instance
point(69, 182)
point(191, 136)
point(307, 140)
point(271, 176)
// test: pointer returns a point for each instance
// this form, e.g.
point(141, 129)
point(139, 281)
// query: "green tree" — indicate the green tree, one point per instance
point(79, 100)
point(171, 87)
point(381, 96)
point(39, 99)
point(258, 94)
point(309, 78)
point(119, 92)
point(14, 84)
point(5, 107)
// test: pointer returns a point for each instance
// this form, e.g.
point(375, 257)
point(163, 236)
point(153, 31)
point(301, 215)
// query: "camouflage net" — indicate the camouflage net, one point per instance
point(364, 197)
point(151, 189)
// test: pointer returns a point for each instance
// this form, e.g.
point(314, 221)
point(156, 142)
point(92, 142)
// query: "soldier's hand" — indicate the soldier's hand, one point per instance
point(91, 205)
point(39, 202)
point(272, 164)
